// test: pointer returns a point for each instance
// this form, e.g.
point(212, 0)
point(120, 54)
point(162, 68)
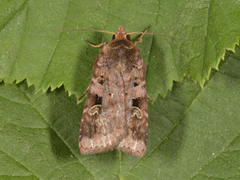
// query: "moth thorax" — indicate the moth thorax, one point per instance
point(122, 66)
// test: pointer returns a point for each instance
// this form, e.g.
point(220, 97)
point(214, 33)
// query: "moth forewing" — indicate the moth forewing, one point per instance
point(98, 133)
point(134, 143)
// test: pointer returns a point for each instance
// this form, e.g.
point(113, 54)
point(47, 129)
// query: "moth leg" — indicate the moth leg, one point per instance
point(84, 94)
point(140, 38)
point(150, 99)
point(96, 46)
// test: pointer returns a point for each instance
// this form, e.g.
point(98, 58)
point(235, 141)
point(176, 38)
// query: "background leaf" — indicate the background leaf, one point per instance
point(193, 132)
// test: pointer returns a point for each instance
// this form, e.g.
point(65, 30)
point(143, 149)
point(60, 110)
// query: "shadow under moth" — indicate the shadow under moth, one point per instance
point(115, 114)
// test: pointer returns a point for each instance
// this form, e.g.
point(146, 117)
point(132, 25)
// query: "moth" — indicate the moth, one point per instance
point(115, 114)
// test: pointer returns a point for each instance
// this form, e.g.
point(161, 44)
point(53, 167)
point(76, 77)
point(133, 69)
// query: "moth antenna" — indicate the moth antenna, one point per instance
point(86, 30)
point(157, 34)
point(109, 32)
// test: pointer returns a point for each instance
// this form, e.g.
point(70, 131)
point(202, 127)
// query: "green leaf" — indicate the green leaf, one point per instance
point(30, 48)
point(194, 133)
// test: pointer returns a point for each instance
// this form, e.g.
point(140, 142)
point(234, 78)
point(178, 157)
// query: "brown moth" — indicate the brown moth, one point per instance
point(115, 114)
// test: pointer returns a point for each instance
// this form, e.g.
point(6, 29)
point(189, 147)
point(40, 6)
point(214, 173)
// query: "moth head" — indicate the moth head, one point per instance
point(121, 34)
